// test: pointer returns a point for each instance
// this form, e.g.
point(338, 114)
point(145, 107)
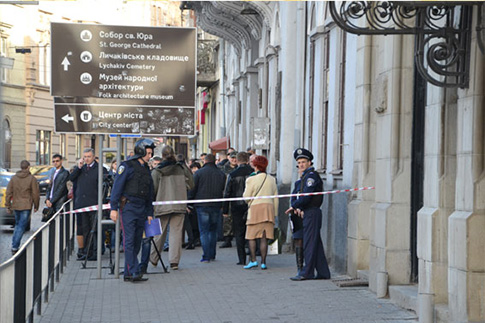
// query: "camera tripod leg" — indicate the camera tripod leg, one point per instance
point(89, 240)
point(158, 254)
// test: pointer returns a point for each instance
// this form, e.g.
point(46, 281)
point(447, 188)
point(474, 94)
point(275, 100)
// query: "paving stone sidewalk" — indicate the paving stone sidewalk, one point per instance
point(219, 291)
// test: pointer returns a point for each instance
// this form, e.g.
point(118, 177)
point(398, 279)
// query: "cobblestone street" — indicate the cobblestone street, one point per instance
point(219, 291)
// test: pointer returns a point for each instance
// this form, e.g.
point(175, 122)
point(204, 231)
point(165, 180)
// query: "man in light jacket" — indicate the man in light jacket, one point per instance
point(172, 181)
point(22, 193)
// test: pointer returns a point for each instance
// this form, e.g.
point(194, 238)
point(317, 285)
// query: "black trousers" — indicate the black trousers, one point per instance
point(88, 225)
point(191, 226)
point(239, 217)
point(313, 247)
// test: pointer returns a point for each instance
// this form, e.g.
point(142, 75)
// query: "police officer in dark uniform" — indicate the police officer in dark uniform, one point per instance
point(308, 207)
point(132, 194)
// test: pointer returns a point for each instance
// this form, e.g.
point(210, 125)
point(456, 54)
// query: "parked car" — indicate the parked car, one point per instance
point(43, 174)
point(5, 218)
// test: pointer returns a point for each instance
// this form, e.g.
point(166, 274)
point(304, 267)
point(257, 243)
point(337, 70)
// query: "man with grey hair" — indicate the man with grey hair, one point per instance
point(171, 180)
point(85, 182)
point(22, 193)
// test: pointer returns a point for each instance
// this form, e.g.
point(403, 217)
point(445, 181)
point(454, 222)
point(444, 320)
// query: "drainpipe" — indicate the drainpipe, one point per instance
point(222, 59)
point(266, 76)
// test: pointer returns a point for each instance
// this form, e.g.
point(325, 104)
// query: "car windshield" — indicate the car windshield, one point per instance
point(4, 179)
point(40, 170)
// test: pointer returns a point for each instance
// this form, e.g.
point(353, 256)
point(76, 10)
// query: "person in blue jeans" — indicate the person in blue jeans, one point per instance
point(209, 182)
point(208, 219)
point(22, 193)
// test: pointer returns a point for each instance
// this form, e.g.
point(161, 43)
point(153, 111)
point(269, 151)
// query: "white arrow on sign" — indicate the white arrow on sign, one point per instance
point(67, 118)
point(66, 63)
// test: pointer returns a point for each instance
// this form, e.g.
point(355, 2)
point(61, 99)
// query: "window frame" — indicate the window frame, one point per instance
point(43, 139)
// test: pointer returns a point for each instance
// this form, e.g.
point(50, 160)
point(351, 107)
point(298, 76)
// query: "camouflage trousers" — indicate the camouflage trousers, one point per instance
point(227, 226)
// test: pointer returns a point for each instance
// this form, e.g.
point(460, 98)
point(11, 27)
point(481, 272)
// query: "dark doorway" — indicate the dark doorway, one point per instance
point(417, 165)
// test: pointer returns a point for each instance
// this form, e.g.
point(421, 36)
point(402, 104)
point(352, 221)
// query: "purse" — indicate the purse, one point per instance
point(47, 213)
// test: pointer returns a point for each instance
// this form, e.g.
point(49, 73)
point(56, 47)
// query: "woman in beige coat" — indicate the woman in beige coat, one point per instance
point(262, 212)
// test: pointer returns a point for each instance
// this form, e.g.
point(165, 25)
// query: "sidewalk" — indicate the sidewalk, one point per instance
point(219, 291)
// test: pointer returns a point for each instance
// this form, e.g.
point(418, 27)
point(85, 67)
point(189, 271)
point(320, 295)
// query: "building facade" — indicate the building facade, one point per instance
point(27, 105)
point(376, 110)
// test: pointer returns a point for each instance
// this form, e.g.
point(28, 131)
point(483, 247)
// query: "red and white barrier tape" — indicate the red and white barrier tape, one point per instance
point(232, 199)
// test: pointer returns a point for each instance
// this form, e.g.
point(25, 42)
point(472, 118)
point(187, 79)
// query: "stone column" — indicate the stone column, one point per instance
point(439, 190)
point(363, 170)
point(466, 241)
point(390, 215)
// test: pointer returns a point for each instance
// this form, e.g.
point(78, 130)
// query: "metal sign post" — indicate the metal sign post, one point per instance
point(110, 79)
point(100, 203)
point(117, 230)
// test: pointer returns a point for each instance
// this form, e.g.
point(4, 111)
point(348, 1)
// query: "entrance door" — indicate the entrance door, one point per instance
point(417, 165)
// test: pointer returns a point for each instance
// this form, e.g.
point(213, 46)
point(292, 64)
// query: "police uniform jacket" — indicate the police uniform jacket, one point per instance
point(309, 182)
point(134, 182)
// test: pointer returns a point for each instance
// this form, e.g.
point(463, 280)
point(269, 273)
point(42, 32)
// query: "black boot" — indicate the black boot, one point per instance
point(299, 259)
point(81, 254)
point(227, 243)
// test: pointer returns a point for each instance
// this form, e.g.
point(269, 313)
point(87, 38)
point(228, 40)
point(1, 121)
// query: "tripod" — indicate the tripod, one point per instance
point(107, 183)
point(158, 254)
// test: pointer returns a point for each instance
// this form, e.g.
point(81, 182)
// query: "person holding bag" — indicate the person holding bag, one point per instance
point(262, 212)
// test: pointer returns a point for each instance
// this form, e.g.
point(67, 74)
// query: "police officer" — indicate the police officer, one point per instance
point(308, 207)
point(132, 194)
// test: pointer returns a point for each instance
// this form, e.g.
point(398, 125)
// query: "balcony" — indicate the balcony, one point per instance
point(206, 62)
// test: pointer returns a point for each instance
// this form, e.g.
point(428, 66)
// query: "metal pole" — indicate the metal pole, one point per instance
point(117, 227)
point(100, 202)
point(125, 147)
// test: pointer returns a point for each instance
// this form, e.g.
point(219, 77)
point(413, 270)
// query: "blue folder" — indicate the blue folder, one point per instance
point(154, 228)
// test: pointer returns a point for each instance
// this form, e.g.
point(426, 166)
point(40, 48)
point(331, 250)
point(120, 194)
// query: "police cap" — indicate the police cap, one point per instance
point(303, 153)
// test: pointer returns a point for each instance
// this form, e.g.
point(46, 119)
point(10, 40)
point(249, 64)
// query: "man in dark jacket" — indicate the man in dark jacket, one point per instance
point(208, 184)
point(228, 233)
point(235, 185)
point(85, 180)
point(22, 193)
point(56, 193)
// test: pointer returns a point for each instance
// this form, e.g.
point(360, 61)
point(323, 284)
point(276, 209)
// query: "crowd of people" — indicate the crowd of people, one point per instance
point(144, 179)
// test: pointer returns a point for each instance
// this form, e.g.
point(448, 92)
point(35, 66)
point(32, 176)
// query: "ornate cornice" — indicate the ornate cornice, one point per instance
point(207, 25)
point(248, 22)
point(443, 33)
point(264, 10)
point(224, 20)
